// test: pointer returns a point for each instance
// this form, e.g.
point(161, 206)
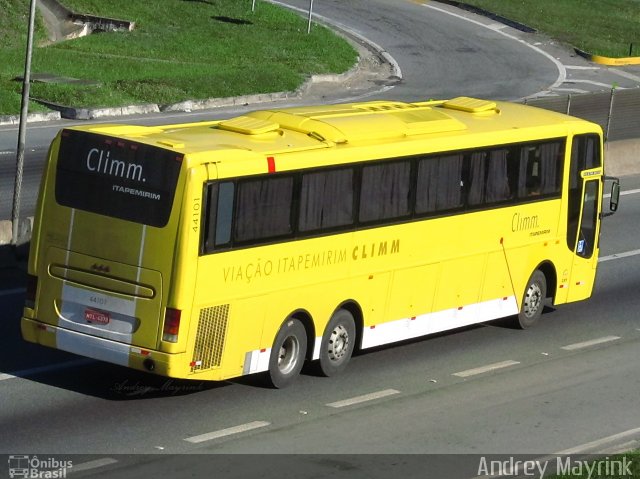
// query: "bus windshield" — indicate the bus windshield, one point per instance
point(116, 177)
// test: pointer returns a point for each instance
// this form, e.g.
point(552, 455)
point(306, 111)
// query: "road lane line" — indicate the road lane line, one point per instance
point(623, 193)
point(209, 436)
point(625, 254)
point(562, 72)
point(87, 466)
point(363, 398)
point(45, 369)
point(485, 369)
point(620, 448)
point(582, 449)
point(627, 75)
point(597, 443)
point(579, 67)
point(593, 342)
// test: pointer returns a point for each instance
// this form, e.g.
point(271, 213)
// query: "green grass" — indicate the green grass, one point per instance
point(601, 27)
point(179, 50)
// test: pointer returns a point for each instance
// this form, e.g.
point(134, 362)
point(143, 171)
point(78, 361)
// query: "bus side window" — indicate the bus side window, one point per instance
point(326, 200)
point(263, 209)
point(540, 169)
point(439, 184)
point(385, 191)
point(219, 215)
point(498, 188)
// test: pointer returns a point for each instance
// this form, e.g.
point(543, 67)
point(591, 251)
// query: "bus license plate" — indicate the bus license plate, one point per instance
point(93, 316)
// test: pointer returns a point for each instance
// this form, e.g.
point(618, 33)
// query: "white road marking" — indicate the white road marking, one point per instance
point(570, 90)
point(623, 193)
point(497, 26)
point(625, 254)
point(597, 443)
point(562, 72)
point(591, 82)
point(486, 369)
point(582, 449)
point(209, 436)
point(363, 398)
point(12, 292)
point(627, 75)
point(45, 369)
point(593, 342)
point(620, 448)
point(87, 466)
point(580, 67)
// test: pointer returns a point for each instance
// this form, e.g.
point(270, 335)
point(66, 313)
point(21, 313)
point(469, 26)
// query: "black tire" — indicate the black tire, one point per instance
point(288, 354)
point(338, 343)
point(533, 301)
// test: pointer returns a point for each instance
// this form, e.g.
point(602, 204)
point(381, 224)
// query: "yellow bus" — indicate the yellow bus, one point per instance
point(218, 249)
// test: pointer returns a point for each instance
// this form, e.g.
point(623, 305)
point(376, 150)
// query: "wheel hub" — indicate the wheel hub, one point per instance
point(288, 354)
point(338, 343)
point(532, 300)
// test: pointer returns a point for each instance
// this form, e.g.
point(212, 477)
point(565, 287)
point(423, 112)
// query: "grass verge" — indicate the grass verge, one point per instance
point(600, 27)
point(180, 49)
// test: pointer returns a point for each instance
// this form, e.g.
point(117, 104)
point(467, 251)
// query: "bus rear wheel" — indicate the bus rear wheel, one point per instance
point(338, 342)
point(533, 300)
point(288, 354)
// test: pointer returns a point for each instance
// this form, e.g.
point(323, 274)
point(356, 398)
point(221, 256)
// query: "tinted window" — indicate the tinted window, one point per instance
point(540, 169)
point(326, 200)
point(439, 184)
point(116, 178)
point(384, 193)
point(585, 154)
point(263, 208)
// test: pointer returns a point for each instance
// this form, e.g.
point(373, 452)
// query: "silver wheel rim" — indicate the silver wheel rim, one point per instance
point(288, 355)
point(338, 343)
point(532, 300)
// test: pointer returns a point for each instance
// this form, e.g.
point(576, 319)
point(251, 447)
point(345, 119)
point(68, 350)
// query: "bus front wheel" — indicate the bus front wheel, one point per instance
point(288, 354)
point(338, 342)
point(533, 300)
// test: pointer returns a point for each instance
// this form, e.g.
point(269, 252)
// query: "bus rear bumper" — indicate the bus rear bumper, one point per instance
point(102, 349)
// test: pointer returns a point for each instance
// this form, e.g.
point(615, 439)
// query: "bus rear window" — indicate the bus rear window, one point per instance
point(117, 178)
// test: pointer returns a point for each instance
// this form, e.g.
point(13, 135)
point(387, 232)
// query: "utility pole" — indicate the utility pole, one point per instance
point(310, 15)
point(24, 110)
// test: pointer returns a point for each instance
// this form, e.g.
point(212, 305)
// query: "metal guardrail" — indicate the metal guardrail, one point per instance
point(616, 111)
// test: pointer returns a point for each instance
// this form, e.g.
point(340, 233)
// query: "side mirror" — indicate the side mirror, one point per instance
point(615, 195)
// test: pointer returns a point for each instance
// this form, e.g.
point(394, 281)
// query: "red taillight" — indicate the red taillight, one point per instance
point(171, 325)
point(32, 288)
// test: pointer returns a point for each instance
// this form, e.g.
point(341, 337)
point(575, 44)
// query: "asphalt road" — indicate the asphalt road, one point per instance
point(570, 384)
point(442, 52)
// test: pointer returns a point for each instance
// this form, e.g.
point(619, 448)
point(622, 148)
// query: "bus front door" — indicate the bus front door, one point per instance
point(586, 241)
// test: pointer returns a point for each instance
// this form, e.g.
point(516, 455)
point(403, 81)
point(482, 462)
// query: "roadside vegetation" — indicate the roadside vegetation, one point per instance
point(179, 50)
point(600, 27)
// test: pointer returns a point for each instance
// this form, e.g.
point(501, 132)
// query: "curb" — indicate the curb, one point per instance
point(71, 113)
point(31, 118)
point(610, 61)
point(486, 13)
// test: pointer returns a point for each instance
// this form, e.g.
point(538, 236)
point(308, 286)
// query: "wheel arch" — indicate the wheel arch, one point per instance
point(354, 308)
point(549, 270)
point(306, 319)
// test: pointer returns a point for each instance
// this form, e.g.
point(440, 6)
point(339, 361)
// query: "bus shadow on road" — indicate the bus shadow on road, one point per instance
point(117, 383)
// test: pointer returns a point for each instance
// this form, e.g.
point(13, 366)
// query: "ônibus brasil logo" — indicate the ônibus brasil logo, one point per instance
point(32, 467)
